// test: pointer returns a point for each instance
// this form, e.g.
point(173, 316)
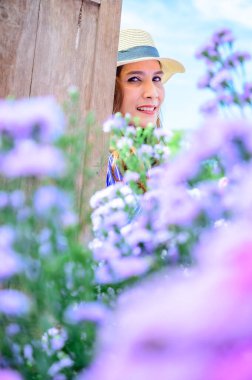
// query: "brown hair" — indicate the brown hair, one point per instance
point(118, 95)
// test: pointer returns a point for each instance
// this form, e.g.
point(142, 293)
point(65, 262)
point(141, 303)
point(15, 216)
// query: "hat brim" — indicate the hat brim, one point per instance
point(169, 66)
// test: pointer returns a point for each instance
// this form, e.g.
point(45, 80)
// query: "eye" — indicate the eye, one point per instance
point(157, 78)
point(134, 79)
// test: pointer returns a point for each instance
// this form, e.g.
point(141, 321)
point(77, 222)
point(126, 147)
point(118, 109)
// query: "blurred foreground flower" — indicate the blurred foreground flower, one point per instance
point(199, 317)
point(43, 267)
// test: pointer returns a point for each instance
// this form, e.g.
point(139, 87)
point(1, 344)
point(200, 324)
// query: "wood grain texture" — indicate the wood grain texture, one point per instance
point(104, 78)
point(18, 26)
point(58, 64)
point(46, 47)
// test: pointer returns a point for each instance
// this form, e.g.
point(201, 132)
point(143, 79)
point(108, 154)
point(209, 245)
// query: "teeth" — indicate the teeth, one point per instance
point(146, 108)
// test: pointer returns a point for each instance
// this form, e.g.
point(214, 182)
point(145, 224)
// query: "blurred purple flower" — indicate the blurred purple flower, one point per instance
point(115, 122)
point(54, 340)
point(131, 176)
point(221, 80)
point(232, 141)
point(12, 329)
point(229, 247)
point(49, 199)
point(173, 198)
point(208, 52)
point(4, 199)
point(28, 353)
point(210, 107)
point(236, 58)
point(233, 364)
point(141, 236)
point(204, 81)
point(216, 300)
point(9, 374)
point(14, 302)
point(10, 264)
point(127, 267)
point(223, 36)
point(104, 250)
point(86, 312)
point(123, 268)
point(40, 118)
point(17, 199)
point(247, 93)
point(225, 99)
point(28, 159)
point(7, 237)
point(56, 367)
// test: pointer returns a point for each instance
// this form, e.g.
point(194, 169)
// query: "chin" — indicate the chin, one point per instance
point(145, 122)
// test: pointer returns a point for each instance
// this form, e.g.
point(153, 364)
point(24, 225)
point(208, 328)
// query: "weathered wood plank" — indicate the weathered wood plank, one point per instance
point(48, 47)
point(18, 26)
point(104, 77)
point(59, 62)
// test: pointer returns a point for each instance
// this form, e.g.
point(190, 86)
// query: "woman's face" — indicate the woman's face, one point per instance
point(142, 90)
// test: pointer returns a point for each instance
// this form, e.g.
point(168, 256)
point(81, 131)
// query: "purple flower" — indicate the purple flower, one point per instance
point(4, 199)
point(14, 302)
point(210, 107)
point(28, 159)
point(117, 270)
point(130, 266)
point(7, 236)
point(247, 93)
point(205, 80)
point(131, 176)
point(28, 353)
point(138, 236)
point(223, 36)
point(221, 80)
point(115, 122)
point(48, 198)
point(12, 329)
point(39, 118)
point(104, 250)
point(54, 340)
point(9, 374)
point(86, 312)
point(17, 199)
point(218, 320)
point(225, 99)
point(236, 59)
point(208, 52)
point(55, 368)
point(11, 264)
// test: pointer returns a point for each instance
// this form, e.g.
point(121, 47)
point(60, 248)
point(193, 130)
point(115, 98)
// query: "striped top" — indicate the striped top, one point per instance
point(110, 180)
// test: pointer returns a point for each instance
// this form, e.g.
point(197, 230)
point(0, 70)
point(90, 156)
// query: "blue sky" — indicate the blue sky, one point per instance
point(179, 28)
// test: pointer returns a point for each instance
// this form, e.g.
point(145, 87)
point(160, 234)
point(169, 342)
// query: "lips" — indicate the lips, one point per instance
point(149, 109)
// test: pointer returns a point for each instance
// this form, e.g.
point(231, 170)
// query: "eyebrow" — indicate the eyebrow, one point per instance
point(160, 72)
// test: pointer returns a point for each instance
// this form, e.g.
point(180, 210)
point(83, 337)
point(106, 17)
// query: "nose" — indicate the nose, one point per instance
point(150, 90)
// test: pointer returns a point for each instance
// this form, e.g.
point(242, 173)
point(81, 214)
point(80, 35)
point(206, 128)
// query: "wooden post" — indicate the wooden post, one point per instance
point(18, 26)
point(49, 45)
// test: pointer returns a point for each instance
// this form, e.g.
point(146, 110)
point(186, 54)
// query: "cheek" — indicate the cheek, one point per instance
point(129, 99)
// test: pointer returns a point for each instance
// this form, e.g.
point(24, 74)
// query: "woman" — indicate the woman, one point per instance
point(139, 89)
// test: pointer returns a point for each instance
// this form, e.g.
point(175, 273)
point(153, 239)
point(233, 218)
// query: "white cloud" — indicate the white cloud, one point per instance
point(239, 11)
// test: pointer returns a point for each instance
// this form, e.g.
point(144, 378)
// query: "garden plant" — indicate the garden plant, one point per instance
point(163, 289)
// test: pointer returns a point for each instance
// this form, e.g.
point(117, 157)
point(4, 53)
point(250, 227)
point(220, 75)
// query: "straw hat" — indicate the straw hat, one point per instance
point(136, 45)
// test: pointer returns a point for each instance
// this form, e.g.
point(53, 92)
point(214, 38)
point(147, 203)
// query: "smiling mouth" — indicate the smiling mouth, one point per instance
point(147, 109)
